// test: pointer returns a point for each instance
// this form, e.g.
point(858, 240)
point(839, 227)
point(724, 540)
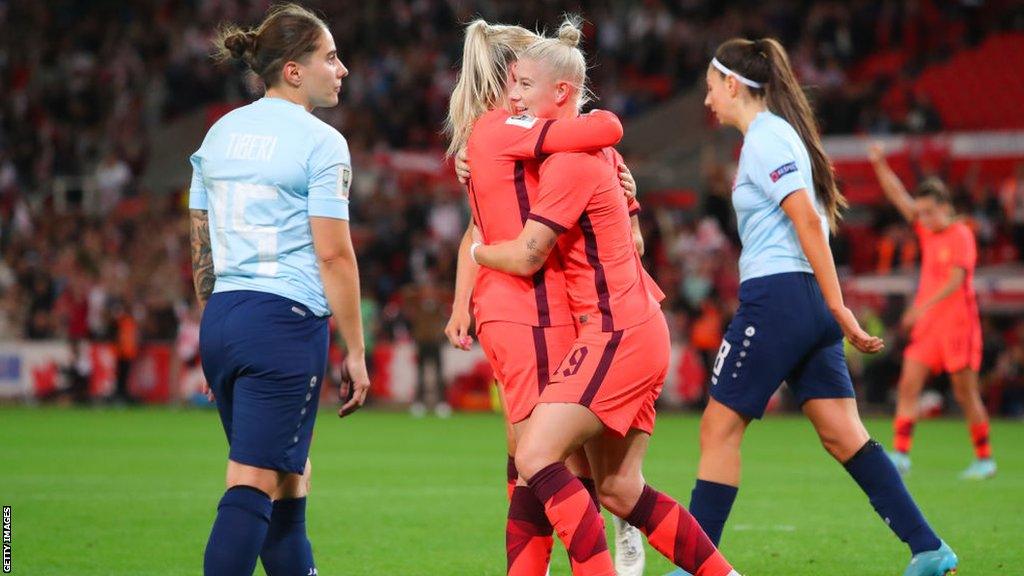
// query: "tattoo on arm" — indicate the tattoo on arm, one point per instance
point(532, 257)
point(202, 255)
point(536, 255)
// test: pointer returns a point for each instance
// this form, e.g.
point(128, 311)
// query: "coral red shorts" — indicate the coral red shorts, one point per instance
point(521, 357)
point(950, 350)
point(617, 375)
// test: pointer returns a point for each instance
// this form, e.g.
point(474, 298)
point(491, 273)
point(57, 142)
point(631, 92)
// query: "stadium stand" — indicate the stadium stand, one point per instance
point(91, 224)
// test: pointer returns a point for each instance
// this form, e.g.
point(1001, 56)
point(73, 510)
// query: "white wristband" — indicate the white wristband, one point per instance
point(472, 251)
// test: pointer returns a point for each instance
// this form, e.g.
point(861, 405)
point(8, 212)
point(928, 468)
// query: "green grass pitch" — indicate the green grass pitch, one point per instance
point(107, 492)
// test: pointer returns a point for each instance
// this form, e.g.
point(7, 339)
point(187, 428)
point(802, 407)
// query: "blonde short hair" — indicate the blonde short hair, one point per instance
point(564, 57)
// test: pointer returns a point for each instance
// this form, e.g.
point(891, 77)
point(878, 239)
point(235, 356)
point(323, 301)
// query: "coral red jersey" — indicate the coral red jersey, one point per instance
point(953, 247)
point(581, 200)
point(504, 154)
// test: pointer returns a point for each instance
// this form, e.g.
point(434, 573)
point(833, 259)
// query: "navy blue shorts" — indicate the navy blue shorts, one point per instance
point(782, 332)
point(264, 357)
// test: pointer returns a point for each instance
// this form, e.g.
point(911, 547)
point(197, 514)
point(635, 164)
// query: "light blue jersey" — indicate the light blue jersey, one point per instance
point(261, 172)
point(773, 164)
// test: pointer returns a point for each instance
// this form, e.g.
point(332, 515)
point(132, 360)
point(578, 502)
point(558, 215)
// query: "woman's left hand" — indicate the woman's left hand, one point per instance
point(462, 166)
point(860, 339)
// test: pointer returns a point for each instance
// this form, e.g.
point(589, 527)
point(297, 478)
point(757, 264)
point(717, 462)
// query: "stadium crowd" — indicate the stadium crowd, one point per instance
point(87, 84)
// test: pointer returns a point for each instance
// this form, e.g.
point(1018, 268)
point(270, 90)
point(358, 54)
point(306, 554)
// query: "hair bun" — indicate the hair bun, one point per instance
point(241, 44)
point(569, 32)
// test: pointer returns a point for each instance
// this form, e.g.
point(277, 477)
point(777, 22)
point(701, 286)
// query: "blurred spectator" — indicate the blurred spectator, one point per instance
point(1011, 194)
point(426, 305)
point(706, 332)
point(73, 381)
point(896, 249)
point(922, 118)
point(112, 178)
point(127, 351)
point(86, 85)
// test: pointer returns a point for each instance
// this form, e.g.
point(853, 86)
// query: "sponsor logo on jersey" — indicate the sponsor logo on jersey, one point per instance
point(522, 120)
point(782, 171)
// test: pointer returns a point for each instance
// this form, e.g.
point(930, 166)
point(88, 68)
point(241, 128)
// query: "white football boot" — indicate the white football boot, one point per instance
point(629, 548)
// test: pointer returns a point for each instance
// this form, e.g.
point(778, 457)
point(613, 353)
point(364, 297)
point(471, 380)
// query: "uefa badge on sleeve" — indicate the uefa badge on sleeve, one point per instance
point(781, 171)
point(344, 181)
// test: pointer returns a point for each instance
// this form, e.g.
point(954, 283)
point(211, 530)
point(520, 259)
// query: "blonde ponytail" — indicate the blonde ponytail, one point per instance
point(487, 52)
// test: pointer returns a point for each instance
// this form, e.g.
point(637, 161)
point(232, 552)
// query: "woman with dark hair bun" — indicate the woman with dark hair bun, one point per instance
point(271, 259)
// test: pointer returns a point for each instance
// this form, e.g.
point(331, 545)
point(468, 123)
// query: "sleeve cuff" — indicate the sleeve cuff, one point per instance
point(558, 228)
point(197, 200)
point(787, 195)
point(634, 211)
point(784, 190)
point(337, 209)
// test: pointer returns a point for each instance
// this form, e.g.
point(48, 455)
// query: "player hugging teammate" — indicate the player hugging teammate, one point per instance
point(599, 398)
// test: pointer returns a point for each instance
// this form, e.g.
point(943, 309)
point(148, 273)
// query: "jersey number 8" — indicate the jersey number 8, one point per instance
point(723, 351)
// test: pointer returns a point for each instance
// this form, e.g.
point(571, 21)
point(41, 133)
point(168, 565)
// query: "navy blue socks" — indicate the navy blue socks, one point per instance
point(878, 478)
point(286, 550)
point(243, 516)
point(710, 504)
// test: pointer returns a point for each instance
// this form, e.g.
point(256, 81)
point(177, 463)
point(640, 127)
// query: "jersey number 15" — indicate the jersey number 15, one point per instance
point(241, 247)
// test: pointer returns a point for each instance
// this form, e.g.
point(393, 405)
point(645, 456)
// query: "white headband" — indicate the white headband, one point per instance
point(725, 70)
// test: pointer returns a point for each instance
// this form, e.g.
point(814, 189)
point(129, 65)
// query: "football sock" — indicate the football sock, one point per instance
point(878, 478)
point(528, 538)
point(511, 475)
point(903, 434)
point(243, 516)
point(979, 435)
point(579, 525)
point(710, 504)
point(286, 549)
point(672, 531)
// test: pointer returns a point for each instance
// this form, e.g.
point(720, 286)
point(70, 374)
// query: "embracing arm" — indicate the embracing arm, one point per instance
point(814, 242)
point(457, 329)
point(522, 256)
point(203, 277)
point(592, 131)
point(638, 236)
point(465, 271)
